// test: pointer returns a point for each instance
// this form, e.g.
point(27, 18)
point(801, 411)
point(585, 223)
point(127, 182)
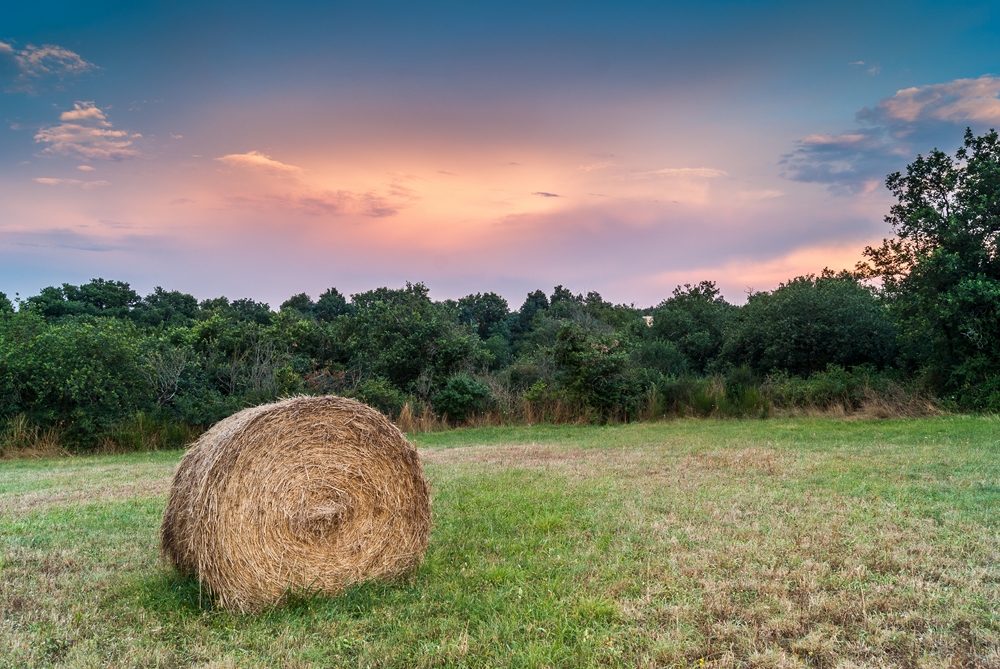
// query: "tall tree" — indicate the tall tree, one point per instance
point(942, 270)
point(331, 304)
point(485, 311)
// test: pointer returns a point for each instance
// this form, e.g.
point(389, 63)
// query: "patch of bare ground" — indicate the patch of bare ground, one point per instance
point(20, 503)
point(595, 461)
point(527, 455)
point(75, 481)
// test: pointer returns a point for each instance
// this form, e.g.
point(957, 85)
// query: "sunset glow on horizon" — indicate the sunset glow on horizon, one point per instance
point(254, 151)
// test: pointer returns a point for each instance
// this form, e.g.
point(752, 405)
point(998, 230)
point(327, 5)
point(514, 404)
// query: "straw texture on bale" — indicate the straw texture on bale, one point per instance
point(306, 494)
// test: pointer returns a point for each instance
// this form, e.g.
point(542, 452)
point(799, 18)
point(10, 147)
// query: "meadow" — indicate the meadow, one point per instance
point(790, 542)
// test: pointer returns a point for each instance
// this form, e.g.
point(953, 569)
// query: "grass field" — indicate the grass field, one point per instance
point(778, 543)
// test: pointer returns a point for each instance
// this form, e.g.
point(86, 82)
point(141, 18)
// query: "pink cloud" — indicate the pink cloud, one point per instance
point(958, 101)
point(680, 172)
point(326, 203)
point(71, 182)
point(258, 160)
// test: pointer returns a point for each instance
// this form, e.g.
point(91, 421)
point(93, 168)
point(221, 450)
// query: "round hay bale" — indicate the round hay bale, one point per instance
point(306, 494)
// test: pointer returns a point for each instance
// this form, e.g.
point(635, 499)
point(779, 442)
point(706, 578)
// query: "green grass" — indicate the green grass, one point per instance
point(786, 542)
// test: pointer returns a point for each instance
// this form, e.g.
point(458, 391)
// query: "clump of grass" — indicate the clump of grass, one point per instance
point(21, 439)
point(861, 391)
point(142, 433)
point(424, 421)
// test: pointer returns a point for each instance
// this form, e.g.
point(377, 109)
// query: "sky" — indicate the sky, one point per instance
point(266, 149)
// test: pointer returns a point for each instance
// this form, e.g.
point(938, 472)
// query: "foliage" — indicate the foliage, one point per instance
point(301, 303)
point(811, 322)
point(595, 371)
point(942, 271)
point(82, 374)
point(169, 308)
point(330, 305)
point(97, 298)
point(693, 319)
point(402, 336)
point(381, 394)
point(486, 312)
point(461, 397)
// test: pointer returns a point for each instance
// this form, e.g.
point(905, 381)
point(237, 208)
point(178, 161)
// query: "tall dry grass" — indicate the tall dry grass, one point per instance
point(20, 439)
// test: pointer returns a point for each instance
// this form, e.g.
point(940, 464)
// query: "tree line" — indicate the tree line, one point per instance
point(919, 316)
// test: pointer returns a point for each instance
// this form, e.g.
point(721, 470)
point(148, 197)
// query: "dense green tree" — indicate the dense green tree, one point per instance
point(519, 323)
point(213, 305)
point(809, 323)
point(487, 312)
point(249, 310)
point(6, 307)
point(166, 307)
point(331, 304)
point(460, 397)
point(595, 371)
point(618, 316)
point(96, 298)
point(301, 303)
point(403, 336)
point(693, 319)
point(85, 375)
point(564, 304)
point(245, 310)
point(941, 272)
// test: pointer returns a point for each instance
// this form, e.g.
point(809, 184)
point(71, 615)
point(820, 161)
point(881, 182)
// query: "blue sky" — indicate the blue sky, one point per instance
point(258, 149)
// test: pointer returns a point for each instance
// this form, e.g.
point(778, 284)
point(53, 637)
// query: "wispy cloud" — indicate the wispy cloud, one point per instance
point(85, 131)
point(597, 166)
point(257, 160)
point(326, 203)
point(33, 64)
point(680, 172)
point(71, 182)
point(892, 131)
point(544, 194)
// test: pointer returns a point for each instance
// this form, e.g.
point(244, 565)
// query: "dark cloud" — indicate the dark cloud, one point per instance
point(891, 132)
point(26, 68)
point(544, 194)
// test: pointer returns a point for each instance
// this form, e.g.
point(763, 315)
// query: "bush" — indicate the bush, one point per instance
point(809, 323)
point(461, 397)
point(85, 375)
point(380, 393)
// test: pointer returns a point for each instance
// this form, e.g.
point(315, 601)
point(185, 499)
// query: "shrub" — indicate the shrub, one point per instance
point(809, 323)
point(461, 397)
point(85, 375)
point(381, 394)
